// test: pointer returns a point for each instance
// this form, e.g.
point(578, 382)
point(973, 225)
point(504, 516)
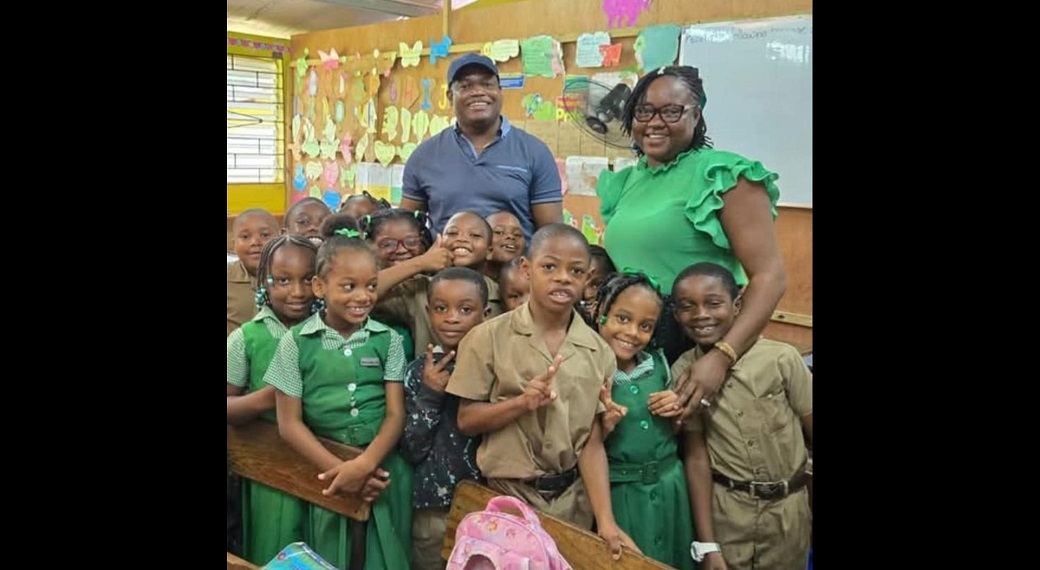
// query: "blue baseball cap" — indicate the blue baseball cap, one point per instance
point(470, 59)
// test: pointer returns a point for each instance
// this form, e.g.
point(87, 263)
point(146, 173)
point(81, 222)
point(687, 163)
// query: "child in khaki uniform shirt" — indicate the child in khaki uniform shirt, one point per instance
point(529, 383)
point(251, 230)
point(751, 442)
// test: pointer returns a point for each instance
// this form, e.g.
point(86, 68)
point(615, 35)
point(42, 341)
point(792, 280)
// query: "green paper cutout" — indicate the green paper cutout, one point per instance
point(588, 229)
point(657, 46)
point(313, 170)
point(406, 150)
point(301, 64)
point(315, 192)
point(341, 111)
point(545, 112)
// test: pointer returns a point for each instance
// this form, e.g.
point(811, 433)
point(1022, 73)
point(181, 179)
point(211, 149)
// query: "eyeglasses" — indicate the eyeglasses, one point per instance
point(389, 244)
point(669, 113)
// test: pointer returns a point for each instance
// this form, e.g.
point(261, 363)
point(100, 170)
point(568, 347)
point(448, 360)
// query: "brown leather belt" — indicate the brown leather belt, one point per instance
point(769, 491)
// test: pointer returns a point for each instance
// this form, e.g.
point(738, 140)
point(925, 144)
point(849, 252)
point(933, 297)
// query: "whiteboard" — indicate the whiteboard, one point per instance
point(758, 78)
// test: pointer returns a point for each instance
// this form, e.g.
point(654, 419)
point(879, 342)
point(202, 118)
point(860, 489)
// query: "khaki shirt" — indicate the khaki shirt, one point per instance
point(753, 430)
point(497, 360)
point(406, 304)
point(241, 296)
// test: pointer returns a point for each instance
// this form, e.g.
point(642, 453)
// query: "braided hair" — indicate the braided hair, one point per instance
point(263, 269)
point(371, 223)
point(690, 77)
point(377, 203)
point(616, 284)
point(332, 246)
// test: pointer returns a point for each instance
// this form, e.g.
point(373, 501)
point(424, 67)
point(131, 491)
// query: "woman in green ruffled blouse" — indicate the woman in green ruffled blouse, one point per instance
point(684, 202)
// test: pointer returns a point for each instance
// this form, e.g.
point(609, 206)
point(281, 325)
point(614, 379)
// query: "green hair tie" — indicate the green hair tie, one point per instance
point(348, 232)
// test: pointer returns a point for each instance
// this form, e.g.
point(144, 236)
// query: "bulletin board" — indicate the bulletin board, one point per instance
point(352, 87)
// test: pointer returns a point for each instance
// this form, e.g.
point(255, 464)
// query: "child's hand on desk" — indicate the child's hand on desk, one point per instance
point(664, 404)
point(610, 418)
point(348, 477)
point(435, 377)
point(539, 392)
point(617, 539)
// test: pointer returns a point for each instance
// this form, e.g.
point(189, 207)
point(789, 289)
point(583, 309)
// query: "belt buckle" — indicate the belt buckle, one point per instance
point(770, 490)
point(650, 473)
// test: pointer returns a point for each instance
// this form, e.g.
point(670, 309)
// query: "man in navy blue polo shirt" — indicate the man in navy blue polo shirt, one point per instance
point(483, 163)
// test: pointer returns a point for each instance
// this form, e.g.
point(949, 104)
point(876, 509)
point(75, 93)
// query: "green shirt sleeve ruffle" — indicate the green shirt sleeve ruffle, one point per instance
point(716, 173)
point(608, 188)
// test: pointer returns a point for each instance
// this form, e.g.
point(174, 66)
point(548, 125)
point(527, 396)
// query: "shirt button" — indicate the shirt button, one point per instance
point(644, 424)
point(354, 412)
point(351, 387)
point(740, 414)
point(347, 352)
point(548, 445)
point(653, 495)
point(634, 389)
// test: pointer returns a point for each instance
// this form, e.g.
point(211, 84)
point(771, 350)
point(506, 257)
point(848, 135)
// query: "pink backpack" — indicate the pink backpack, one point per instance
point(495, 540)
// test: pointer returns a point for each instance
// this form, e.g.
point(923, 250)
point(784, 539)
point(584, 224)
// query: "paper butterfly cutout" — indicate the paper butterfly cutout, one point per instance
point(420, 122)
point(390, 116)
point(410, 55)
point(406, 150)
point(301, 64)
point(312, 83)
point(332, 199)
point(406, 124)
point(426, 85)
point(310, 145)
point(361, 148)
point(502, 50)
point(330, 59)
point(346, 149)
point(439, 49)
point(331, 173)
point(437, 124)
point(313, 170)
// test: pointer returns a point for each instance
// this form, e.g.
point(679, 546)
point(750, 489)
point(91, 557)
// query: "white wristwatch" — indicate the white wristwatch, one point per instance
point(699, 549)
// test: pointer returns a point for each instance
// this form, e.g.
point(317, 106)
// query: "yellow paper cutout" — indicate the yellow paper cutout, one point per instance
point(502, 50)
point(373, 84)
point(372, 116)
point(297, 125)
point(437, 124)
point(406, 150)
point(330, 129)
point(385, 152)
point(406, 125)
point(442, 101)
point(390, 117)
point(360, 148)
point(420, 122)
point(313, 170)
point(410, 55)
point(328, 149)
point(342, 84)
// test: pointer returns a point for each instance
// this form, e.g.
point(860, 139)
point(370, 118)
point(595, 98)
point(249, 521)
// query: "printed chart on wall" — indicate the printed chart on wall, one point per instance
point(764, 110)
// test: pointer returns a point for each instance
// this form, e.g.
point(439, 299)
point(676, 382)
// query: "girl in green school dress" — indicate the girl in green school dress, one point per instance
point(648, 488)
point(339, 375)
point(271, 519)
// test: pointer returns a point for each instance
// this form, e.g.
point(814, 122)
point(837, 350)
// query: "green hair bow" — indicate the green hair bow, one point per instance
point(650, 278)
point(348, 232)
